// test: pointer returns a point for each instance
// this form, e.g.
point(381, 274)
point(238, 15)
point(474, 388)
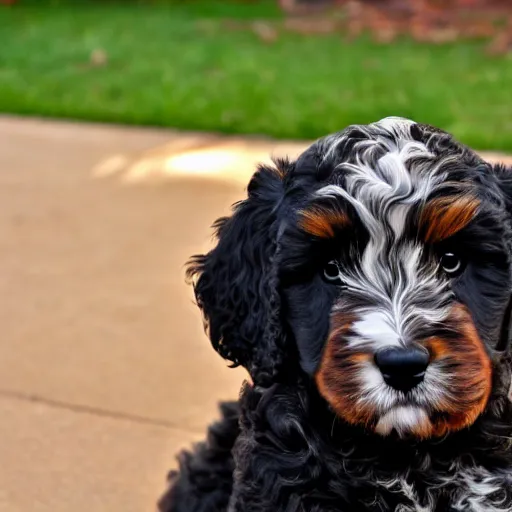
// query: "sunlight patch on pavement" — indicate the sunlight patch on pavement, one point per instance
point(110, 166)
point(225, 162)
point(229, 160)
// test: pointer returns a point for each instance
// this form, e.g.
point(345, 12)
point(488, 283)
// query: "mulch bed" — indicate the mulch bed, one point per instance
point(432, 21)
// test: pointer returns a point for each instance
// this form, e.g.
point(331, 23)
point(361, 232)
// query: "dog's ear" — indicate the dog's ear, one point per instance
point(237, 284)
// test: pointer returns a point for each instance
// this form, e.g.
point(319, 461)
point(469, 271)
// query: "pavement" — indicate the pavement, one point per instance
point(105, 372)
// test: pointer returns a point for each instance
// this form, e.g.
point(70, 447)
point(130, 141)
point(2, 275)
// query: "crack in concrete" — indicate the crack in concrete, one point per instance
point(97, 411)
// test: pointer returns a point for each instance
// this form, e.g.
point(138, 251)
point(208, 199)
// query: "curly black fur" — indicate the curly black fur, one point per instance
point(294, 455)
point(240, 297)
point(204, 480)
point(284, 446)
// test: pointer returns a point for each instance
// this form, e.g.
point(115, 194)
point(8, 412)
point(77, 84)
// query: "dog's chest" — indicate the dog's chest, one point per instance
point(467, 490)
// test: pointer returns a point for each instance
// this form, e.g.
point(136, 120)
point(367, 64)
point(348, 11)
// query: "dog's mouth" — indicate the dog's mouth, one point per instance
point(405, 421)
point(454, 391)
point(408, 419)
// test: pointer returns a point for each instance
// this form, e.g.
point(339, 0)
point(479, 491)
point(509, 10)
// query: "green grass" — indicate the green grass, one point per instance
point(180, 64)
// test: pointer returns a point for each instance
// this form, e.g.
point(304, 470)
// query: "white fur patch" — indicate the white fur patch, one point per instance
point(374, 391)
point(374, 328)
point(395, 123)
point(482, 491)
point(403, 419)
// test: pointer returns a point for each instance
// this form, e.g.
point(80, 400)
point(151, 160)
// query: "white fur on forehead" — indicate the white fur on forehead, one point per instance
point(395, 130)
point(396, 124)
point(379, 180)
point(383, 183)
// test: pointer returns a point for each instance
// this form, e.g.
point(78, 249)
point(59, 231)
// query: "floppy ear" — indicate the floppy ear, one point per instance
point(237, 283)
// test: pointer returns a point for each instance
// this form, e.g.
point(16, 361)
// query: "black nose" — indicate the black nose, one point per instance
point(402, 368)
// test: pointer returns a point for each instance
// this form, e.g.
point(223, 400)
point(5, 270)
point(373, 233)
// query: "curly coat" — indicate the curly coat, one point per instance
point(319, 430)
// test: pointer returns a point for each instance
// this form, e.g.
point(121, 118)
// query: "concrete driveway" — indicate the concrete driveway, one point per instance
point(105, 372)
point(104, 368)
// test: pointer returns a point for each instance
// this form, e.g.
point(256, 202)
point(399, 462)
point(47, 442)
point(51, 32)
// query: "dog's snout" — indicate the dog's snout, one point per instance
point(402, 368)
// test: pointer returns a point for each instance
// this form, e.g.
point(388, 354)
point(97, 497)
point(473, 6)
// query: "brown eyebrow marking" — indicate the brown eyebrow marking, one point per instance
point(323, 222)
point(445, 216)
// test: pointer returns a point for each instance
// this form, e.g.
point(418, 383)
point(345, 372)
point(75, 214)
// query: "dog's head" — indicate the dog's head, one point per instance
point(378, 264)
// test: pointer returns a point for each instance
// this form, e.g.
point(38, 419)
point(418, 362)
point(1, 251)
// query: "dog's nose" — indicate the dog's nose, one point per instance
point(402, 368)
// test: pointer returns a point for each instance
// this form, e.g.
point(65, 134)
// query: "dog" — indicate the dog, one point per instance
point(366, 288)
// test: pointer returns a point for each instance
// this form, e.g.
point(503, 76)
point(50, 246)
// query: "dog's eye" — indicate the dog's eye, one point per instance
point(332, 273)
point(451, 264)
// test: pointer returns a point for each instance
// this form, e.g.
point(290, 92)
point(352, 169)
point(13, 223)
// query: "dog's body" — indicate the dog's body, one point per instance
point(366, 288)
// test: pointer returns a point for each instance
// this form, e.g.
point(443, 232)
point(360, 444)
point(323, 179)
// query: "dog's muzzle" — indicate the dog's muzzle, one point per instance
point(438, 384)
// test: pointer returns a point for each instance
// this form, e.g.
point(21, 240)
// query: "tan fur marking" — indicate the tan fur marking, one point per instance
point(322, 223)
point(337, 378)
point(423, 430)
point(472, 374)
point(445, 216)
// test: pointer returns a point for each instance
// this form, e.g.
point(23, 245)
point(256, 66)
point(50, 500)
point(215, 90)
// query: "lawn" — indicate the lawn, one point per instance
point(189, 65)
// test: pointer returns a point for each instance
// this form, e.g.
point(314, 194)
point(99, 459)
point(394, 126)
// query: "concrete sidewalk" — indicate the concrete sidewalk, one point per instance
point(105, 372)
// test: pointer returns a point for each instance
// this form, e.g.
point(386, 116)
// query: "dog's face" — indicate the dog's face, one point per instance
point(392, 268)
point(399, 284)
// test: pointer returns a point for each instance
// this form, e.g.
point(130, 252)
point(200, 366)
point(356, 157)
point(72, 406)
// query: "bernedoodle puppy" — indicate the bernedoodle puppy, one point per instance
point(366, 287)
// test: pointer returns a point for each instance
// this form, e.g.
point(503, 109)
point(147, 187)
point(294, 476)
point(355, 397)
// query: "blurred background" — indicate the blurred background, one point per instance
point(126, 129)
